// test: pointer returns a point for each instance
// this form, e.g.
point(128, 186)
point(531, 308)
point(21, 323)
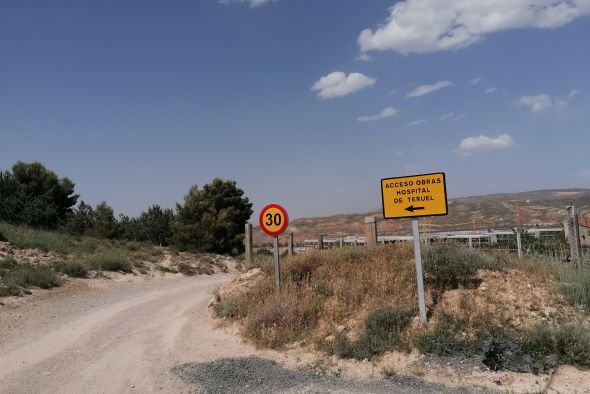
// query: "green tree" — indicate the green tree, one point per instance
point(105, 225)
point(81, 220)
point(156, 224)
point(212, 219)
point(35, 196)
point(130, 229)
point(36, 180)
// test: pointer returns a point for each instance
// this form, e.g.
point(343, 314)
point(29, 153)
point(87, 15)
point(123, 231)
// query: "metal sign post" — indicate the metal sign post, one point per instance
point(419, 275)
point(273, 221)
point(412, 197)
point(277, 263)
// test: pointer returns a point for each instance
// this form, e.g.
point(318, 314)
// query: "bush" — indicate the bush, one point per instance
point(7, 264)
point(25, 275)
point(186, 269)
point(449, 265)
point(572, 343)
point(232, 307)
point(2, 237)
point(564, 344)
point(445, 338)
point(9, 290)
point(111, 261)
point(73, 269)
point(575, 285)
point(23, 237)
point(383, 330)
point(283, 317)
point(538, 342)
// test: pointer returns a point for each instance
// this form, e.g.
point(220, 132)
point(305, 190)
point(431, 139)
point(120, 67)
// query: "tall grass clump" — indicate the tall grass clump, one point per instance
point(567, 343)
point(445, 337)
point(111, 260)
point(449, 265)
point(382, 332)
point(73, 269)
point(14, 277)
point(23, 237)
point(322, 290)
point(575, 285)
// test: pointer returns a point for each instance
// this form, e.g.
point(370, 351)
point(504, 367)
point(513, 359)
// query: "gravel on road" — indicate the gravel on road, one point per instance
point(258, 375)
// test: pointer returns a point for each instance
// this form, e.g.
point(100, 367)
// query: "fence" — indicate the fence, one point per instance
point(554, 242)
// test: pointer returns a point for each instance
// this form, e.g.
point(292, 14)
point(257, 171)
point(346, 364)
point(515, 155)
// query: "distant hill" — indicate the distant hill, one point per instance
point(498, 211)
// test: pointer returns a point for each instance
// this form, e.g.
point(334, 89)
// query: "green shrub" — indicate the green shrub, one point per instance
point(448, 265)
point(383, 329)
point(9, 290)
point(575, 285)
point(231, 307)
point(7, 264)
point(163, 268)
point(186, 269)
point(572, 344)
point(72, 269)
point(538, 342)
point(564, 344)
point(111, 260)
point(25, 275)
point(2, 237)
point(445, 338)
point(23, 237)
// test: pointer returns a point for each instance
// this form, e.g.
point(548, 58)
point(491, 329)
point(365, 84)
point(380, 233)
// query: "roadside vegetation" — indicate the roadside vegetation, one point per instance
point(361, 302)
point(33, 258)
point(210, 219)
point(41, 213)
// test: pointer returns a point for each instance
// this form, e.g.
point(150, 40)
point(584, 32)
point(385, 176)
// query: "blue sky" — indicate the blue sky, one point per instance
point(307, 103)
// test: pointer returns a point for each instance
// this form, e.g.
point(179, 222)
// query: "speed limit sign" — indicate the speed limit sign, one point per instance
point(273, 220)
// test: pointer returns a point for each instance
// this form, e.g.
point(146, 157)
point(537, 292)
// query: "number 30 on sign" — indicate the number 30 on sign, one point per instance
point(273, 220)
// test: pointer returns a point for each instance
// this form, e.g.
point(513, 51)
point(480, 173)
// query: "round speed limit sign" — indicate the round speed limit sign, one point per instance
point(273, 220)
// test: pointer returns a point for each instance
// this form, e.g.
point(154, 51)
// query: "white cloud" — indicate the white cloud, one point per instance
point(417, 122)
point(561, 103)
point(490, 90)
point(386, 113)
point(427, 89)
point(573, 93)
point(252, 3)
point(471, 145)
point(474, 81)
point(364, 57)
point(421, 26)
point(338, 84)
point(537, 103)
point(453, 117)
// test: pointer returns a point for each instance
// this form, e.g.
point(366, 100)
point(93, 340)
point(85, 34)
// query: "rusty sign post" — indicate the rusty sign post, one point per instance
point(413, 197)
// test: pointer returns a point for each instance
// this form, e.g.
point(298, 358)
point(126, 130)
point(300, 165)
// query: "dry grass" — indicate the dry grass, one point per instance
point(361, 302)
point(321, 291)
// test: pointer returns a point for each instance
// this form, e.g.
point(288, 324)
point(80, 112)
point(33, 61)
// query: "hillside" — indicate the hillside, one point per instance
point(498, 211)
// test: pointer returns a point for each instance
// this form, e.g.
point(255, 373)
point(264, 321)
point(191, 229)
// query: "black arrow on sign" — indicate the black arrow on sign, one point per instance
point(412, 208)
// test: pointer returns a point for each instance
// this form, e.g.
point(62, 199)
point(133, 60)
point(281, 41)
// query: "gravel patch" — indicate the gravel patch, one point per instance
point(257, 375)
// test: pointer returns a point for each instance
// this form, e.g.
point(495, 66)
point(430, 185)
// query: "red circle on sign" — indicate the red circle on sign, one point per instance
point(273, 229)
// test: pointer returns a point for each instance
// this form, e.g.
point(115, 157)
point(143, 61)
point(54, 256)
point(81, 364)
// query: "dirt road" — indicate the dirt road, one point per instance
point(97, 336)
point(123, 337)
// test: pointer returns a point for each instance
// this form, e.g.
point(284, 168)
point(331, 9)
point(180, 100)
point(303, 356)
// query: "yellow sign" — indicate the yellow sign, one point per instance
point(273, 220)
point(414, 196)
